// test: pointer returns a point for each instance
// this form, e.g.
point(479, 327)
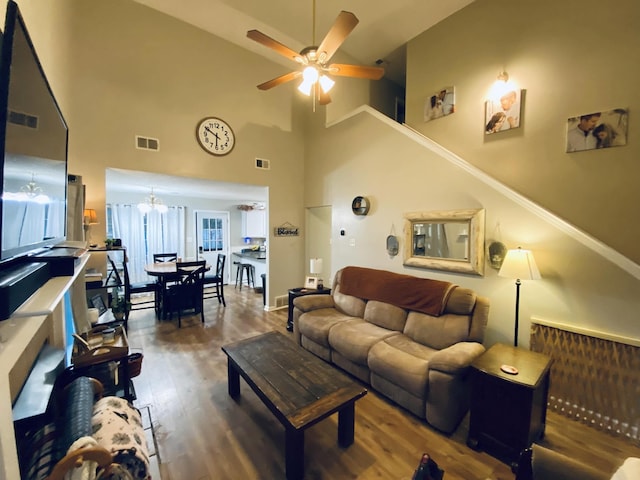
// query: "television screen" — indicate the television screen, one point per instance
point(33, 136)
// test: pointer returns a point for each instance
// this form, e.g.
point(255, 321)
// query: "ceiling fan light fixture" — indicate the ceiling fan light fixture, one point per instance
point(310, 74)
point(326, 83)
point(305, 87)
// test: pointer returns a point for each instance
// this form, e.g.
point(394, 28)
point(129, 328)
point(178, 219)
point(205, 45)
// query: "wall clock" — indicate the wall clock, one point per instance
point(360, 206)
point(215, 136)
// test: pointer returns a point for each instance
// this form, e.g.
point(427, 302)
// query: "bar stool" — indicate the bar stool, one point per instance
point(250, 269)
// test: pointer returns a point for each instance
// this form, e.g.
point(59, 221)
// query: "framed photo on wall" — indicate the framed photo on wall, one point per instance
point(504, 113)
point(597, 130)
point(440, 104)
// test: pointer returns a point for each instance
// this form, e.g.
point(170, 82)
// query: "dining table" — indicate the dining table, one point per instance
point(166, 273)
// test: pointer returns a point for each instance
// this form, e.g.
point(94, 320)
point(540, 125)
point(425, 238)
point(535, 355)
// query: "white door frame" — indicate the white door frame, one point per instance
point(227, 238)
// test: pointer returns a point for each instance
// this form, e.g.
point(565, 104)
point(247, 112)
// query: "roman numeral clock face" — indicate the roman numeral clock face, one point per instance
point(215, 136)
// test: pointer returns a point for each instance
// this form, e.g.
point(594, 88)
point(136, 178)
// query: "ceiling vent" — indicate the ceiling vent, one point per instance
point(263, 164)
point(146, 143)
point(23, 119)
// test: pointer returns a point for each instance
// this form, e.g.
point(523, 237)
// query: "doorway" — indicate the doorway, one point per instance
point(212, 237)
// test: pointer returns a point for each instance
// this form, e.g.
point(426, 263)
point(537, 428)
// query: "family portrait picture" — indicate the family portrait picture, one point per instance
point(440, 104)
point(504, 113)
point(597, 130)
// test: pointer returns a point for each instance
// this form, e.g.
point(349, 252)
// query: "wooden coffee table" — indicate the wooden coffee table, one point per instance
point(299, 388)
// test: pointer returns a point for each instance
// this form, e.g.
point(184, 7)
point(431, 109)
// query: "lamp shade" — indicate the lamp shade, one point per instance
point(315, 266)
point(90, 216)
point(520, 264)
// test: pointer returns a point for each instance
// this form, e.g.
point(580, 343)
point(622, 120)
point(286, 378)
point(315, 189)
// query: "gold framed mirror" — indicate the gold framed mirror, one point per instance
point(451, 240)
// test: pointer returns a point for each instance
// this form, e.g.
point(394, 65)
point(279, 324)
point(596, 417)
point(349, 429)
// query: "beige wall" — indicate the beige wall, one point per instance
point(572, 57)
point(120, 69)
point(369, 155)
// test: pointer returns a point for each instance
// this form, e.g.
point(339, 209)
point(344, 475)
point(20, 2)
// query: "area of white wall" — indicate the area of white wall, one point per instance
point(571, 58)
point(365, 155)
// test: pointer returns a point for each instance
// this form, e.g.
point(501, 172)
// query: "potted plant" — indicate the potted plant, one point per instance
point(119, 305)
point(108, 243)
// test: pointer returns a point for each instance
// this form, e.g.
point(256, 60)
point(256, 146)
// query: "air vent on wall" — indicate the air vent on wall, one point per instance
point(282, 301)
point(23, 119)
point(263, 164)
point(146, 143)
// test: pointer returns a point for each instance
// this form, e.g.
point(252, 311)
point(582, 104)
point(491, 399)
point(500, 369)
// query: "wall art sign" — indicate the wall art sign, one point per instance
point(286, 230)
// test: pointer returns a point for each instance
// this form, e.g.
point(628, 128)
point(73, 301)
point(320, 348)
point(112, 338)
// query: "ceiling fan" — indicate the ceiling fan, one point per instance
point(315, 59)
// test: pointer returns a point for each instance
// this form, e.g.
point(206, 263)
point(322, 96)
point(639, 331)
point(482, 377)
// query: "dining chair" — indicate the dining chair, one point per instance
point(216, 280)
point(140, 287)
point(187, 294)
point(165, 257)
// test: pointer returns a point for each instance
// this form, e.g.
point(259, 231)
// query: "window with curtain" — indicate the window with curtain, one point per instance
point(145, 234)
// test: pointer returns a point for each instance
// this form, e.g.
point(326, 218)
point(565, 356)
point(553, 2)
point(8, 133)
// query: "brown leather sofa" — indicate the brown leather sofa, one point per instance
point(384, 337)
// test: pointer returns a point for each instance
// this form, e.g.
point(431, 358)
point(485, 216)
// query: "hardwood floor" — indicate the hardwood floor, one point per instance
point(203, 434)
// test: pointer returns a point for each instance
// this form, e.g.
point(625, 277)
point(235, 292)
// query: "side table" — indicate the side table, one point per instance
point(300, 292)
point(508, 412)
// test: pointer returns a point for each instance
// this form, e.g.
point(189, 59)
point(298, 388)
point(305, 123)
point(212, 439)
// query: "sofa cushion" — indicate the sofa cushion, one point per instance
point(461, 301)
point(348, 304)
point(437, 332)
point(403, 362)
point(353, 338)
point(385, 315)
point(315, 325)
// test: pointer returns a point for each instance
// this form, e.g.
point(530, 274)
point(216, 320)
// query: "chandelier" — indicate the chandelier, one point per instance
point(30, 192)
point(152, 203)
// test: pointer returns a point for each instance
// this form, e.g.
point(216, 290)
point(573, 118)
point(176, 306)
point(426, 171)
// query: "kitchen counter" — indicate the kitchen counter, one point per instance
point(254, 255)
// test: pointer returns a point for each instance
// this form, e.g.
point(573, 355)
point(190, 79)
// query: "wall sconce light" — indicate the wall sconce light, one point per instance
point(501, 86)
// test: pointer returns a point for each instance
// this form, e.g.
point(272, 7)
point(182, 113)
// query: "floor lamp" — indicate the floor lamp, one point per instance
point(521, 265)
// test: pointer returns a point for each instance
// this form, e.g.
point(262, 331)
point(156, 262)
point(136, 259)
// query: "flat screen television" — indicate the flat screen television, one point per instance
point(33, 145)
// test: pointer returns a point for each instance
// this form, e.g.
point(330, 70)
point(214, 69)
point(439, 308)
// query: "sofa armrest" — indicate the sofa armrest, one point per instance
point(308, 303)
point(456, 358)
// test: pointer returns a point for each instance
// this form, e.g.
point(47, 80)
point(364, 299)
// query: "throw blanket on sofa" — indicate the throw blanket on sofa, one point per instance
point(412, 293)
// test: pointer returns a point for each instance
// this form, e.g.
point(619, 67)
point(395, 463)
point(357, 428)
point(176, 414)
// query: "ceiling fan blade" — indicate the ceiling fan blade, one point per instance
point(323, 98)
point(279, 80)
point(358, 71)
point(341, 28)
point(274, 45)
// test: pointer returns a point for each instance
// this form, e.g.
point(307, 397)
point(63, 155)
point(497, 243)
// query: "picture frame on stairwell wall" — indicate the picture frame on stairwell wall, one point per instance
point(503, 113)
point(440, 104)
point(311, 283)
point(598, 129)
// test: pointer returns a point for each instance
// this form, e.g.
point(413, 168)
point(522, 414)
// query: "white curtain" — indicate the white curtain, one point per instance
point(162, 233)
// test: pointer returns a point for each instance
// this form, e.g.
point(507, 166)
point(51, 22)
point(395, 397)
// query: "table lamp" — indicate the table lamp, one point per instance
point(90, 217)
point(521, 265)
point(315, 268)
